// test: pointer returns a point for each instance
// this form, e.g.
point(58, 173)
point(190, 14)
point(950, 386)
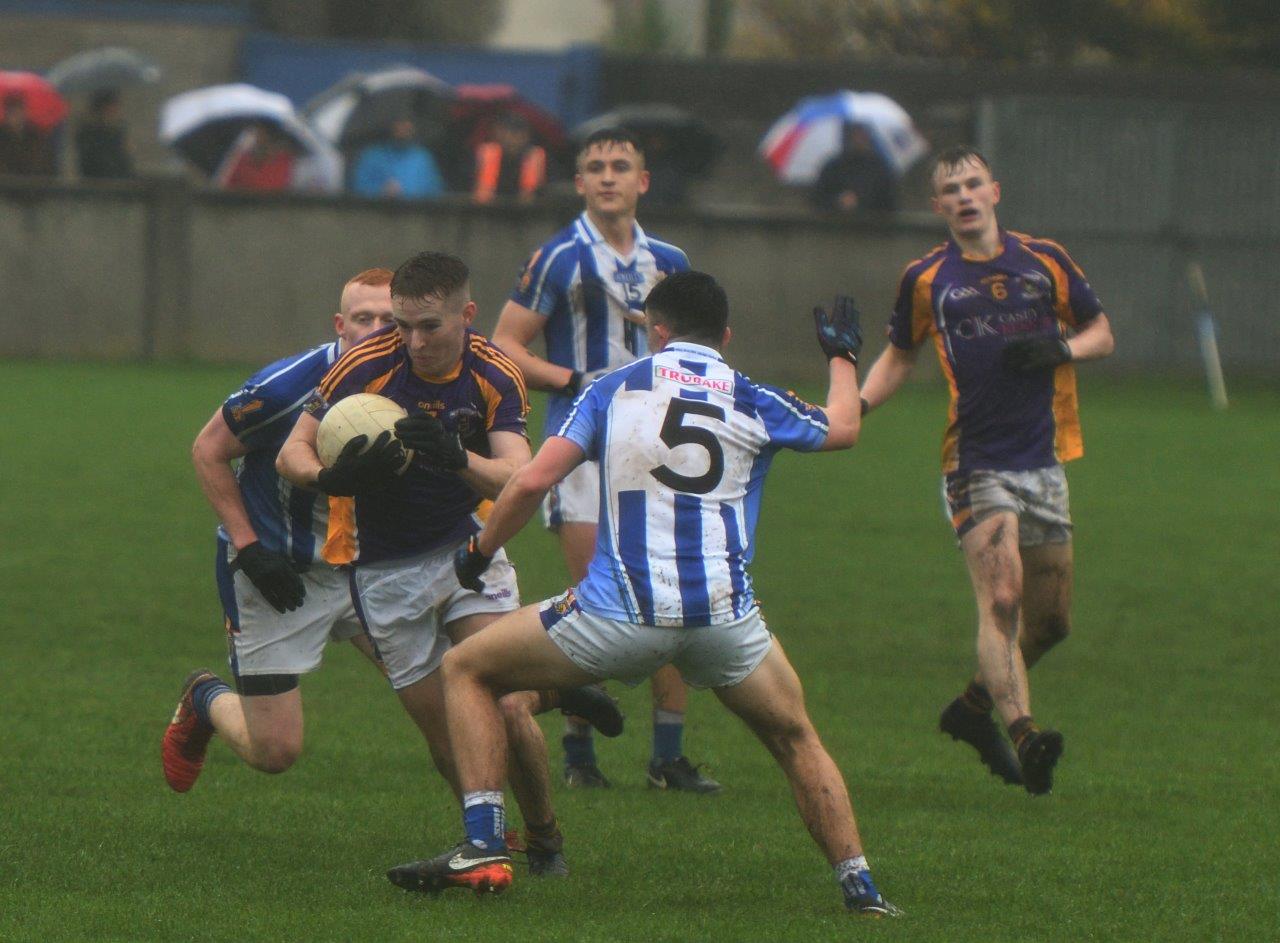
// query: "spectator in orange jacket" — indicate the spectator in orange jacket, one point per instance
point(510, 165)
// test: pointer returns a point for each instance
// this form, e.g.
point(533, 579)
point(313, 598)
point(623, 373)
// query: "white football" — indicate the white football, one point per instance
point(359, 414)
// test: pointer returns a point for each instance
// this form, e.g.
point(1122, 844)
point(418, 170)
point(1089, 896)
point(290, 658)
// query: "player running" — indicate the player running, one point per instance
point(584, 291)
point(1008, 314)
point(681, 443)
point(397, 532)
point(281, 601)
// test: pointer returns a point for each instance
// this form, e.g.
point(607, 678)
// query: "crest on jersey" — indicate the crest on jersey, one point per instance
point(239, 412)
point(527, 275)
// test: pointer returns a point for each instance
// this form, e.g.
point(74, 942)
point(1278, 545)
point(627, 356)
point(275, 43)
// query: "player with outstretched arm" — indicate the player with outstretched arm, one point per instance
point(1008, 314)
point(682, 443)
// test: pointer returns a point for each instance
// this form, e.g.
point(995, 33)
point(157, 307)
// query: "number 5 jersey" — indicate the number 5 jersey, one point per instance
point(683, 443)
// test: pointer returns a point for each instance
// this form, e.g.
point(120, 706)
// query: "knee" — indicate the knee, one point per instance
point(788, 739)
point(277, 754)
point(515, 710)
point(458, 665)
point(1006, 605)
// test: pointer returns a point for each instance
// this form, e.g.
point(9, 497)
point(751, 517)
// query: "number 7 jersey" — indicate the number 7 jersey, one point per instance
point(683, 443)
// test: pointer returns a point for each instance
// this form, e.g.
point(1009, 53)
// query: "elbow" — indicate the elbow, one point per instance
point(843, 436)
point(282, 465)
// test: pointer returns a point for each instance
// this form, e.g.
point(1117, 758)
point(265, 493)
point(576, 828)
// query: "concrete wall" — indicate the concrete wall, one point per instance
point(160, 271)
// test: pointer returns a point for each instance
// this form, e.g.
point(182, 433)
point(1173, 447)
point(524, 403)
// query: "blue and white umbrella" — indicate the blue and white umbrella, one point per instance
point(811, 133)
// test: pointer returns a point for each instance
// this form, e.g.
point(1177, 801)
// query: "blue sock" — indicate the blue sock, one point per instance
point(579, 749)
point(202, 696)
point(485, 820)
point(668, 736)
point(854, 876)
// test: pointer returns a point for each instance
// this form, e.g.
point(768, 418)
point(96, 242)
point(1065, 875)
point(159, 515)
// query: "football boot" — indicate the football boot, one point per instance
point(681, 775)
point(464, 865)
point(186, 739)
point(980, 731)
point(1039, 754)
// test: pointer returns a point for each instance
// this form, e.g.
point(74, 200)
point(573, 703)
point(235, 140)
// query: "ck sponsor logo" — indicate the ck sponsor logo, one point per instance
point(239, 412)
point(692, 379)
point(998, 324)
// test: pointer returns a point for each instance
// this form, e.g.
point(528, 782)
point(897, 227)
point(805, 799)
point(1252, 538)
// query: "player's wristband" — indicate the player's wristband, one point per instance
point(574, 386)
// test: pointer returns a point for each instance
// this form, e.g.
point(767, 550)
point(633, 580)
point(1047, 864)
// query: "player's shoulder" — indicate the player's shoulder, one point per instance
point(556, 253)
point(912, 271)
point(668, 255)
point(1042, 246)
point(286, 378)
point(365, 360)
point(295, 365)
point(490, 362)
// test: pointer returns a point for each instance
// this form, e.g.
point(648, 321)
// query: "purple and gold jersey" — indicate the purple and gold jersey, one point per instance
point(972, 308)
point(422, 509)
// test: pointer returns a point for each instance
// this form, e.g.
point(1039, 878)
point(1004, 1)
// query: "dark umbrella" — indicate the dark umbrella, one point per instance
point(363, 106)
point(45, 107)
point(479, 106)
point(101, 69)
point(664, 131)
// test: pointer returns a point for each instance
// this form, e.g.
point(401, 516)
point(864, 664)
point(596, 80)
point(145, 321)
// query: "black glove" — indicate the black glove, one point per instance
point(1033, 354)
point(355, 472)
point(468, 564)
point(273, 575)
point(436, 445)
point(840, 332)
point(469, 425)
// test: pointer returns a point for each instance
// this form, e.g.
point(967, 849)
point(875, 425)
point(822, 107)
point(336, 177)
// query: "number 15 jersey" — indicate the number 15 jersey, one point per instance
point(683, 443)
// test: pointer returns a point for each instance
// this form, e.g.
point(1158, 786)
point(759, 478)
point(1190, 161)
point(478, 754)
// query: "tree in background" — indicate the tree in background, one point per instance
point(1148, 32)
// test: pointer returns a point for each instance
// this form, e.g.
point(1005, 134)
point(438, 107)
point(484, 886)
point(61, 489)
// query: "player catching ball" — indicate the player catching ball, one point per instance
point(1008, 314)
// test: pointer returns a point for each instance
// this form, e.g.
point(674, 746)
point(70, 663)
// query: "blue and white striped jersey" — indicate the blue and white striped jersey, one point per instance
point(683, 443)
point(585, 289)
point(261, 414)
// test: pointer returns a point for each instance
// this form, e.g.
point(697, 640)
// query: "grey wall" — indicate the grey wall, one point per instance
point(138, 271)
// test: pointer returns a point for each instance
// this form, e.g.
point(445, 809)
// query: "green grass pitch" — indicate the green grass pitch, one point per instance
point(1162, 825)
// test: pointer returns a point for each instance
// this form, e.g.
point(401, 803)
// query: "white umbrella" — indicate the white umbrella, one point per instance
point(203, 125)
point(810, 134)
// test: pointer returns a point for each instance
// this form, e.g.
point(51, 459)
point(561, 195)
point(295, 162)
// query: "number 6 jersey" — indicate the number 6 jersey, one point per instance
point(683, 443)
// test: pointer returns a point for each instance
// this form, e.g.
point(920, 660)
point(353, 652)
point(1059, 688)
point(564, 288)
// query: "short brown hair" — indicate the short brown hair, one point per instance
point(430, 275)
point(954, 157)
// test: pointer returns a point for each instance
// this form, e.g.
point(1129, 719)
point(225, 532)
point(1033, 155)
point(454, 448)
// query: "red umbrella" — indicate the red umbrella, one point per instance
point(45, 107)
point(477, 106)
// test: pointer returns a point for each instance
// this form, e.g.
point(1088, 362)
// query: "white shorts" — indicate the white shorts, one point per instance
point(712, 656)
point(262, 641)
point(405, 606)
point(1040, 499)
point(576, 500)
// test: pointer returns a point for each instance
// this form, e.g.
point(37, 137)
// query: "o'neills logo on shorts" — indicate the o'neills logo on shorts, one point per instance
point(500, 594)
point(692, 379)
